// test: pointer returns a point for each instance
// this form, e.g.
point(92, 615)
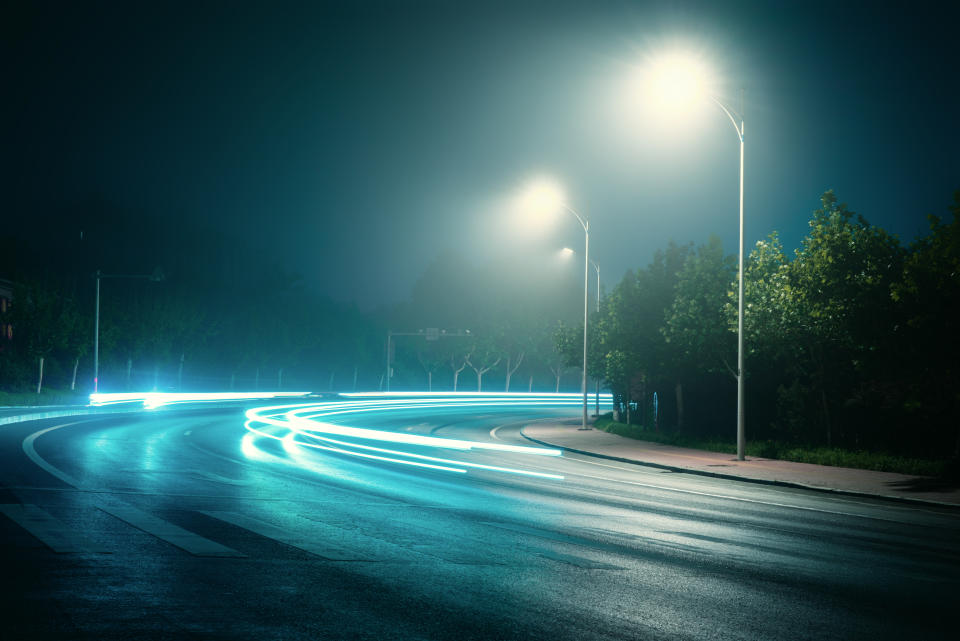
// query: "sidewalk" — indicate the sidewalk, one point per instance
point(758, 470)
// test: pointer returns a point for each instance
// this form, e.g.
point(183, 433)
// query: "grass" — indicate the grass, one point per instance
point(46, 397)
point(833, 456)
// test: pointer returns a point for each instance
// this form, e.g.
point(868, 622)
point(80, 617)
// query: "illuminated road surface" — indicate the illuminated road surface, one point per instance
point(176, 525)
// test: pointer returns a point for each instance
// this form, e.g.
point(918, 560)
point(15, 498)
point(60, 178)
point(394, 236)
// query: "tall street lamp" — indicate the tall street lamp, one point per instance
point(597, 268)
point(680, 80)
point(543, 198)
point(156, 277)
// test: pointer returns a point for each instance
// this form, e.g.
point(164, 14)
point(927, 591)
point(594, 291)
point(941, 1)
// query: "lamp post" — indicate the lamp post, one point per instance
point(544, 197)
point(741, 435)
point(156, 277)
point(596, 267)
point(680, 78)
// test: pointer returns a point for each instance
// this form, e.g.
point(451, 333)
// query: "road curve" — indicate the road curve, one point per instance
point(180, 525)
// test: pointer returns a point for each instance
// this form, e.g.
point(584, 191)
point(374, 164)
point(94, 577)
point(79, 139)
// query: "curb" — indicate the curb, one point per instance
point(732, 477)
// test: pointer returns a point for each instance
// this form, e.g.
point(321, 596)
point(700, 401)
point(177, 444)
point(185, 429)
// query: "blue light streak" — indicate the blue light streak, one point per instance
point(153, 400)
point(298, 426)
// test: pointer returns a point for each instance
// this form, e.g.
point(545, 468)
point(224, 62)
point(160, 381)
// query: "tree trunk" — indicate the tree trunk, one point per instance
point(456, 376)
point(333, 376)
point(180, 373)
point(826, 417)
point(429, 381)
point(511, 370)
point(233, 378)
point(530, 385)
point(557, 389)
point(678, 390)
point(355, 371)
point(129, 369)
point(73, 381)
point(40, 380)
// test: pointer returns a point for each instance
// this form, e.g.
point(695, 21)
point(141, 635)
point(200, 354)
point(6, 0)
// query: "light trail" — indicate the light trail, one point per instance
point(299, 426)
point(153, 400)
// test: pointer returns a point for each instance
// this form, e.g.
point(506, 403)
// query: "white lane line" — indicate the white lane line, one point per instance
point(45, 528)
point(173, 534)
point(737, 498)
point(277, 533)
point(579, 459)
point(31, 451)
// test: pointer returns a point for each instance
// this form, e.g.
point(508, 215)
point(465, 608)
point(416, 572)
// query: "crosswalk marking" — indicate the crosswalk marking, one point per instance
point(47, 529)
point(271, 531)
point(173, 534)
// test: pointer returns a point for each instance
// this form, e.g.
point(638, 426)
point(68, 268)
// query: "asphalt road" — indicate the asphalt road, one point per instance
point(169, 525)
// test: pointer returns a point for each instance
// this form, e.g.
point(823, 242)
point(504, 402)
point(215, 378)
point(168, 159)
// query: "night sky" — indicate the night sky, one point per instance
point(354, 142)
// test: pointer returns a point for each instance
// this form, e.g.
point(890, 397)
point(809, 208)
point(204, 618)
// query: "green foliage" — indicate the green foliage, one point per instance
point(836, 457)
point(695, 321)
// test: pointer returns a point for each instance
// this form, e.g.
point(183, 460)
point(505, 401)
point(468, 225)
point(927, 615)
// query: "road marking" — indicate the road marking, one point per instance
point(277, 533)
point(31, 451)
point(48, 530)
point(173, 534)
point(737, 498)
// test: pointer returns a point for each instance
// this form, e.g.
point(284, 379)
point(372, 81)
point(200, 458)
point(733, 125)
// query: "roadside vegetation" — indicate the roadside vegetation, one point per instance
point(836, 457)
point(851, 354)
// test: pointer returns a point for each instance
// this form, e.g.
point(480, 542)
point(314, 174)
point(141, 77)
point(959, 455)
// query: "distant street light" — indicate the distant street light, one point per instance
point(156, 276)
point(543, 198)
point(679, 81)
point(597, 268)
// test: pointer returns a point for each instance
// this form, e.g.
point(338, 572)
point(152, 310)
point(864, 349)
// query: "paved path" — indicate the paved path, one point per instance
point(599, 443)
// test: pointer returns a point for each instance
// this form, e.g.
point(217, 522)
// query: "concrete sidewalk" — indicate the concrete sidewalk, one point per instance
point(820, 477)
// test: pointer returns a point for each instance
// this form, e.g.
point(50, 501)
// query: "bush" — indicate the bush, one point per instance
point(833, 456)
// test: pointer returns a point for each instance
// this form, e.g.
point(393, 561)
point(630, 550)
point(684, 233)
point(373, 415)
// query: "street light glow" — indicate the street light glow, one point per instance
point(672, 86)
point(542, 198)
point(678, 79)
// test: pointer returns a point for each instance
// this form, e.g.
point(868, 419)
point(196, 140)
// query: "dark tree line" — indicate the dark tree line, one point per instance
point(226, 318)
point(850, 342)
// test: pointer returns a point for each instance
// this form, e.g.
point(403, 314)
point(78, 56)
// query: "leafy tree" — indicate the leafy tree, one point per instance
point(695, 326)
point(840, 306)
point(926, 295)
point(37, 315)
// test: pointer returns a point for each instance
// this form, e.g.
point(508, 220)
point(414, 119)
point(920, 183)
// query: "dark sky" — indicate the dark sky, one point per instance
point(355, 141)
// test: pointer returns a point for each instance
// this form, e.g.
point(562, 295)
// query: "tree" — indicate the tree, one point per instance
point(695, 321)
point(695, 326)
point(840, 282)
point(926, 295)
point(37, 316)
point(484, 355)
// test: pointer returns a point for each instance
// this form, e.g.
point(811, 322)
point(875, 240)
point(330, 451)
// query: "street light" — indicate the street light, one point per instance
point(567, 250)
point(156, 277)
point(679, 80)
point(541, 199)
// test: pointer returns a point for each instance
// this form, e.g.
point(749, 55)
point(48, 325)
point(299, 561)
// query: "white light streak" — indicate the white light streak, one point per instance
point(300, 426)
